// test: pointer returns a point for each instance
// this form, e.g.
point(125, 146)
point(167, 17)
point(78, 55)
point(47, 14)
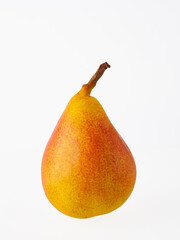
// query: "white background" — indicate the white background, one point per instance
point(48, 49)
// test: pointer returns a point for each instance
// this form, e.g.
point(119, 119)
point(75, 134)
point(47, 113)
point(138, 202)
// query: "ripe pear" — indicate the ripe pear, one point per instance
point(87, 168)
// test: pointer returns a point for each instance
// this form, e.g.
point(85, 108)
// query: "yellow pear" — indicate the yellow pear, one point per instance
point(87, 168)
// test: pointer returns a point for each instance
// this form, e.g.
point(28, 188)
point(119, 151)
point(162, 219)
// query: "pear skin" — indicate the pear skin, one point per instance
point(87, 168)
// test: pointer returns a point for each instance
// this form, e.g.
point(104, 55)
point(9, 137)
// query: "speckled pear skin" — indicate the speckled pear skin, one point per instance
point(87, 168)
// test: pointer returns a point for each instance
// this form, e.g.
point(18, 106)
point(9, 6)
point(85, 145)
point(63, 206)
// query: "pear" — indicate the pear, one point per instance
point(87, 168)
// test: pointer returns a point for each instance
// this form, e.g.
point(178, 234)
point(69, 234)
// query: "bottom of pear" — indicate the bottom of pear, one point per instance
point(85, 213)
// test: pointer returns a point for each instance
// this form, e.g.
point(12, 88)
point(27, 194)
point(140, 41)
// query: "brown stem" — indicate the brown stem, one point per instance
point(92, 82)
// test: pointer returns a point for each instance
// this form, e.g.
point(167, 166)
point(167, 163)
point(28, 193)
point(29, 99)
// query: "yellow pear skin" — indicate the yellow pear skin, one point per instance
point(87, 168)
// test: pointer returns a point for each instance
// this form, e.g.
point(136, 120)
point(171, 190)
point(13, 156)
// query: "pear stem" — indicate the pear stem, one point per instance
point(92, 82)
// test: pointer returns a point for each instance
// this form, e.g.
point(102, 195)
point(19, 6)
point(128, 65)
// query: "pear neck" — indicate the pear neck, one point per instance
point(87, 88)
